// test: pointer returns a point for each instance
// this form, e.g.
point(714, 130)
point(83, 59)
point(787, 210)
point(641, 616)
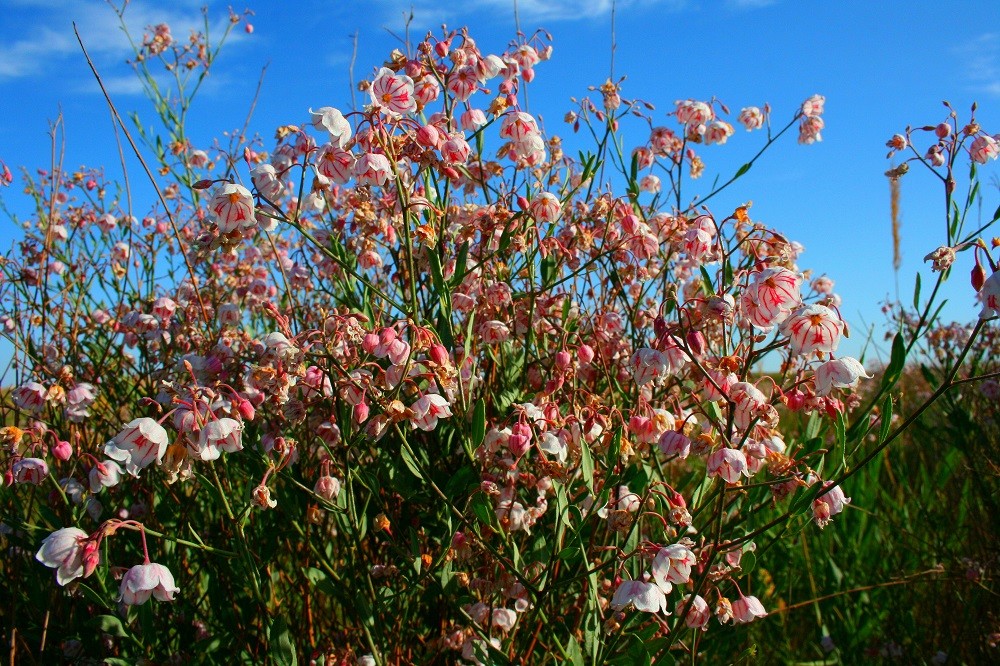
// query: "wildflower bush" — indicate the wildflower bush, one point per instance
point(414, 385)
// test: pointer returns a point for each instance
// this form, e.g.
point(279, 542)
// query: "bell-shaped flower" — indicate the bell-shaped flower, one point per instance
point(427, 410)
point(327, 487)
point(843, 372)
point(727, 464)
point(103, 475)
point(392, 93)
point(372, 169)
point(545, 207)
point(813, 328)
point(63, 551)
point(30, 397)
point(220, 435)
point(750, 403)
point(771, 295)
point(646, 597)
point(333, 122)
point(30, 470)
point(674, 443)
point(141, 442)
point(990, 296)
point(672, 564)
point(698, 614)
point(747, 609)
point(145, 580)
point(336, 163)
point(648, 365)
point(829, 504)
point(233, 208)
point(517, 125)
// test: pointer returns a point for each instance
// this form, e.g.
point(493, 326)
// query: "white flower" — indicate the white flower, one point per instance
point(141, 442)
point(63, 551)
point(145, 580)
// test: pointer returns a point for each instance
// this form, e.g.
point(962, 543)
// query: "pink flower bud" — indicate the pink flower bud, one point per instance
point(696, 342)
point(586, 354)
point(439, 355)
point(428, 136)
point(942, 130)
point(563, 359)
point(370, 342)
point(361, 412)
point(978, 275)
point(63, 450)
point(246, 410)
point(441, 48)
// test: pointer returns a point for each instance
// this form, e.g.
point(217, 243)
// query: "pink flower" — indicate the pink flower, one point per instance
point(472, 119)
point(672, 564)
point(750, 403)
point(829, 504)
point(333, 122)
point(63, 550)
point(220, 435)
point(141, 442)
point(810, 129)
point(813, 328)
point(674, 443)
point(462, 83)
point(984, 148)
point(844, 372)
point(698, 614)
point(718, 131)
point(517, 126)
point(648, 365)
point(646, 597)
point(145, 580)
point(233, 208)
point(30, 470)
point(327, 487)
point(771, 296)
point(63, 450)
point(336, 163)
point(392, 93)
point(990, 296)
point(813, 106)
point(691, 112)
point(747, 609)
point(493, 332)
point(30, 397)
point(456, 149)
point(727, 464)
point(427, 410)
point(751, 118)
point(373, 169)
point(545, 207)
point(78, 400)
point(103, 475)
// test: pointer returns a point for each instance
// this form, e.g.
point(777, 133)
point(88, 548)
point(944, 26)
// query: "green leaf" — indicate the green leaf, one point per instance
point(436, 274)
point(111, 625)
point(460, 262)
point(411, 464)
point(743, 169)
point(587, 465)
point(886, 419)
point(897, 359)
point(574, 653)
point(916, 294)
point(282, 648)
point(478, 422)
point(481, 506)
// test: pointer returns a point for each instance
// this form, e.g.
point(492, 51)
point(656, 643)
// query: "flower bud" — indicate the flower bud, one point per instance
point(586, 354)
point(563, 359)
point(63, 450)
point(978, 275)
point(439, 355)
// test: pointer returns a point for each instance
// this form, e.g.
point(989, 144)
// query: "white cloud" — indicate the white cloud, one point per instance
point(48, 42)
point(979, 61)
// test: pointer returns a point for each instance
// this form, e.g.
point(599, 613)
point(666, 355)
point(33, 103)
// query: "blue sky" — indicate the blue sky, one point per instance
point(881, 66)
